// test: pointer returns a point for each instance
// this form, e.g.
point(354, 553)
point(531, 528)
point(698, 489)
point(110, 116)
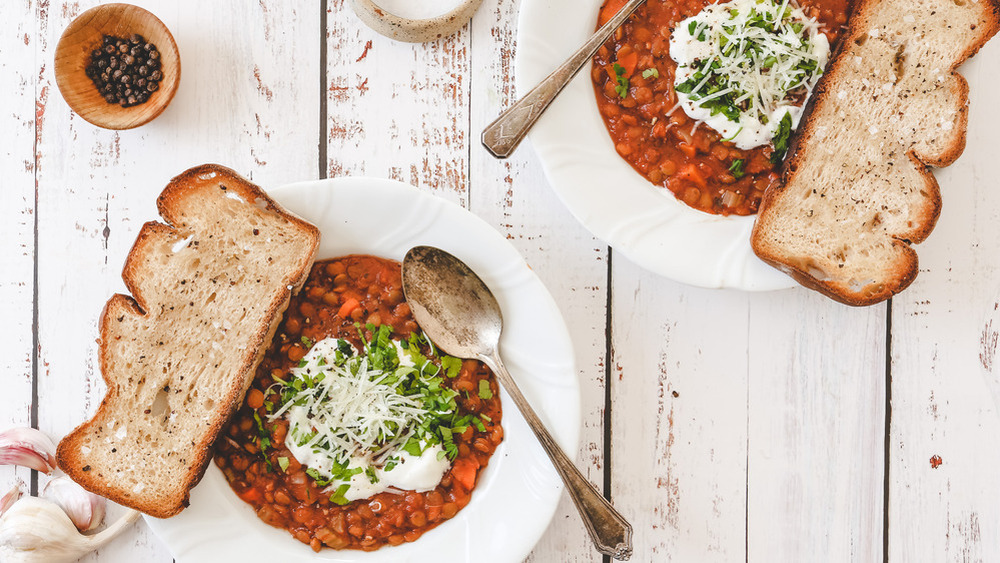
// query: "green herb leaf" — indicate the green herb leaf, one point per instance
point(484, 389)
point(452, 366)
point(307, 341)
point(283, 463)
point(736, 168)
point(650, 72)
point(622, 83)
point(781, 139)
point(338, 496)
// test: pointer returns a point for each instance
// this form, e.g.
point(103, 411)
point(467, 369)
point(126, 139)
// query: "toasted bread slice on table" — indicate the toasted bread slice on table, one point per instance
point(856, 190)
point(208, 288)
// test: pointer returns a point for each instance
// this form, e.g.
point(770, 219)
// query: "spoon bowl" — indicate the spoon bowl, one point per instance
point(451, 303)
point(459, 313)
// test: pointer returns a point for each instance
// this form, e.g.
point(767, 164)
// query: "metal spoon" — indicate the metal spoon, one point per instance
point(457, 311)
point(503, 135)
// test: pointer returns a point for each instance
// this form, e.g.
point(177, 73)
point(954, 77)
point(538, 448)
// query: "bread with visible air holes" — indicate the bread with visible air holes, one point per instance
point(856, 190)
point(209, 287)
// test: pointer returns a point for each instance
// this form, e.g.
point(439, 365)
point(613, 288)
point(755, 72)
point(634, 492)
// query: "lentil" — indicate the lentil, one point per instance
point(288, 498)
point(655, 136)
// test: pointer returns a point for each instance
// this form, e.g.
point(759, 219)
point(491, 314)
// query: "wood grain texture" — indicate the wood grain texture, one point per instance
point(679, 416)
point(397, 110)
point(944, 495)
point(513, 196)
point(744, 427)
point(816, 420)
point(17, 223)
point(248, 99)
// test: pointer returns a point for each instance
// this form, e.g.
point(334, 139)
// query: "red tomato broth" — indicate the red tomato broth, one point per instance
point(338, 294)
point(689, 159)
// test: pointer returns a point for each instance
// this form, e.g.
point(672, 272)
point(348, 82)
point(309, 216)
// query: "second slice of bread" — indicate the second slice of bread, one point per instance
point(856, 191)
point(208, 291)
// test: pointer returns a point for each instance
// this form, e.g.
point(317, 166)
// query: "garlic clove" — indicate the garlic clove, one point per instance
point(9, 499)
point(36, 530)
point(28, 447)
point(83, 507)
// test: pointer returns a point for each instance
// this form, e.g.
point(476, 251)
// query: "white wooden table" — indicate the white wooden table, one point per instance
point(777, 427)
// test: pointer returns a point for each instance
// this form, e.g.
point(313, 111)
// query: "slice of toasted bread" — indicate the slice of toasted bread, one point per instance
point(208, 291)
point(856, 191)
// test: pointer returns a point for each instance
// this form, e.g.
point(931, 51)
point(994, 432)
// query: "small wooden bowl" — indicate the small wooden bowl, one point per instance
point(84, 35)
point(411, 30)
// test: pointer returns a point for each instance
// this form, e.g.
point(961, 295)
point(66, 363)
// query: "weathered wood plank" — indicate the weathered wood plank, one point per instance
point(816, 420)
point(249, 99)
point(513, 196)
point(944, 496)
point(17, 222)
point(397, 110)
point(679, 416)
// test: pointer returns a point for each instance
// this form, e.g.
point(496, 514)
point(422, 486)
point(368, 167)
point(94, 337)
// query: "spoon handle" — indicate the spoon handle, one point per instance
point(503, 135)
point(612, 534)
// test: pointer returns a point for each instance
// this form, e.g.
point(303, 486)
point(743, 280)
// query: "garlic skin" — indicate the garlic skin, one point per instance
point(83, 507)
point(36, 530)
point(9, 499)
point(27, 447)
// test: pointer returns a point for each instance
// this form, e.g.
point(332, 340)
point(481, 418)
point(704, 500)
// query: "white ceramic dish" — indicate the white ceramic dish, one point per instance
point(518, 492)
point(644, 222)
point(428, 27)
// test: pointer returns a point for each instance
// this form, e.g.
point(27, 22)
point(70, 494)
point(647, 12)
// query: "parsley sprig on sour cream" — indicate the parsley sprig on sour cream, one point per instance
point(746, 68)
point(366, 421)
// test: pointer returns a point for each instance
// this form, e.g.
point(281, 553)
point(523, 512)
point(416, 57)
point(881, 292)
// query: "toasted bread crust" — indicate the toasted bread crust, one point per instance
point(76, 453)
point(810, 263)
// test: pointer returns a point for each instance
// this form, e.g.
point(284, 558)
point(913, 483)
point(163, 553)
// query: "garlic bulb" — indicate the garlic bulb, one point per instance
point(83, 507)
point(36, 530)
point(28, 447)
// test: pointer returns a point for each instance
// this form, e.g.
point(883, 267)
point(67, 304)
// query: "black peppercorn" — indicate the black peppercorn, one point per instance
point(125, 71)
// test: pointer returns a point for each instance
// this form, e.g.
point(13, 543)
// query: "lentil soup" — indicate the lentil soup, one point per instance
point(652, 133)
point(356, 299)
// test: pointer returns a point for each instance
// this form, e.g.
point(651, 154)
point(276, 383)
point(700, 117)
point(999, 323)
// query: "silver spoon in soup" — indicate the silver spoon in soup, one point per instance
point(462, 317)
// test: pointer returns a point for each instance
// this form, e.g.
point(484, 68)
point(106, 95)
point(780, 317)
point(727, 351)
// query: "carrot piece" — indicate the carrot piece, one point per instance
point(252, 495)
point(609, 9)
point(688, 149)
point(691, 173)
point(464, 471)
point(629, 62)
point(348, 307)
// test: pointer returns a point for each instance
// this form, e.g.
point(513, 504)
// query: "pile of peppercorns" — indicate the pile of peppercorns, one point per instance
point(125, 71)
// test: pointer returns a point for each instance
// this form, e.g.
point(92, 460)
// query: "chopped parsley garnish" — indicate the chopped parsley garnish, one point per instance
point(484, 389)
point(451, 365)
point(350, 408)
point(781, 139)
point(621, 82)
point(338, 496)
point(736, 168)
point(747, 60)
point(650, 73)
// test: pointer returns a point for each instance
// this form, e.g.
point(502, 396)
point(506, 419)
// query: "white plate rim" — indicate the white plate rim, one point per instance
point(644, 222)
point(493, 527)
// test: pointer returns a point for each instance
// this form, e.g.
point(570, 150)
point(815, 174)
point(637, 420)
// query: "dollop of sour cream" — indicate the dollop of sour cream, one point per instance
point(411, 473)
point(746, 66)
point(345, 397)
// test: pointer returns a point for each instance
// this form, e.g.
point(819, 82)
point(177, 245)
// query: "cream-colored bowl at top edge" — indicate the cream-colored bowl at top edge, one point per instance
point(414, 30)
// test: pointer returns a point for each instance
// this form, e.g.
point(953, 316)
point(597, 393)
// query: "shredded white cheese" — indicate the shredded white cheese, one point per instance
point(360, 419)
point(742, 66)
